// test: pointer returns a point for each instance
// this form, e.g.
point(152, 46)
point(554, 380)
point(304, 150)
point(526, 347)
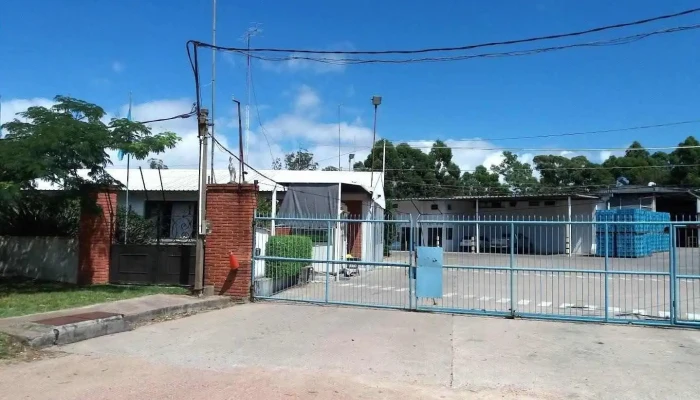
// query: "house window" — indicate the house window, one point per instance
point(449, 207)
point(448, 234)
point(172, 219)
point(513, 203)
point(433, 206)
point(395, 206)
point(533, 203)
point(493, 204)
point(549, 203)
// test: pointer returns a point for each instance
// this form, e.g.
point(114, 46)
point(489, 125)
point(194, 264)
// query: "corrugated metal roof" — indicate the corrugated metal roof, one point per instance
point(178, 180)
point(503, 197)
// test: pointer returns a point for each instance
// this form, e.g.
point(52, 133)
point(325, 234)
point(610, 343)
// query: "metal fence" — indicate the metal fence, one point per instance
point(338, 261)
point(556, 268)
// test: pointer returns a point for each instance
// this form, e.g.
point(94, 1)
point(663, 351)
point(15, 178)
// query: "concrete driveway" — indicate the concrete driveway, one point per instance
point(281, 351)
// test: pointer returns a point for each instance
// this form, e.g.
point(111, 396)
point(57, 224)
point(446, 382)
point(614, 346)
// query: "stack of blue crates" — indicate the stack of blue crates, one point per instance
point(636, 237)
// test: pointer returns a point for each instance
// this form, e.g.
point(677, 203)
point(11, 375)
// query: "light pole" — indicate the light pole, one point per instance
point(376, 101)
point(240, 142)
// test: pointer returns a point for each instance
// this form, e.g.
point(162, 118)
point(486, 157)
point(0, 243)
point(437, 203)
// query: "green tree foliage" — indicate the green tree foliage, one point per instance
point(557, 172)
point(685, 162)
point(447, 173)
point(300, 160)
point(34, 214)
point(639, 166)
point(53, 143)
point(482, 182)
point(516, 174)
point(139, 230)
point(155, 163)
point(330, 168)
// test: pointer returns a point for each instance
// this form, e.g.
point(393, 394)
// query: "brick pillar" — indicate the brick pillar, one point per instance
point(230, 211)
point(354, 235)
point(95, 235)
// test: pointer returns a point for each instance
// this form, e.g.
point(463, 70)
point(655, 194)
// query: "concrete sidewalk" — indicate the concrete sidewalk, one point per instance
point(76, 324)
point(274, 350)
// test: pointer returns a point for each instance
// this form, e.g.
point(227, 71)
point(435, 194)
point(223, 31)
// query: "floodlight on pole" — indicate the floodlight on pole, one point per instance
point(376, 101)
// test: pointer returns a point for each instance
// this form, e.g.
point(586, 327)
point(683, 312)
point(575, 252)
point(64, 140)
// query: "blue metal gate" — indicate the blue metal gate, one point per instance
point(578, 270)
point(332, 261)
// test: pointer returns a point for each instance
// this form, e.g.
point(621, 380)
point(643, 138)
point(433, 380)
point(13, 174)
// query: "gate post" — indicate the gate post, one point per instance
point(672, 274)
point(512, 265)
point(230, 213)
point(95, 234)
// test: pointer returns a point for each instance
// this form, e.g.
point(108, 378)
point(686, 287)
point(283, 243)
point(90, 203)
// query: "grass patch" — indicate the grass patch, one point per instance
point(23, 296)
point(9, 348)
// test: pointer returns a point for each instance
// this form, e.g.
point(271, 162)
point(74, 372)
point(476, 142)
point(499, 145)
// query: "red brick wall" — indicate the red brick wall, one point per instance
point(230, 211)
point(355, 229)
point(283, 230)
point(95, 237)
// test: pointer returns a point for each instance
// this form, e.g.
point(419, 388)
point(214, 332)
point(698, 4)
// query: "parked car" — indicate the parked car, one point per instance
point(500, 244)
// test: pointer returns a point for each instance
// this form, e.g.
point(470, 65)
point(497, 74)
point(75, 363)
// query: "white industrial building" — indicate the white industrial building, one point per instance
point(478, 223)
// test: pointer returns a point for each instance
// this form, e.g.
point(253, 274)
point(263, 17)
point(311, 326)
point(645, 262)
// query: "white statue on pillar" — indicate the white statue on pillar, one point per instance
point(231, 170)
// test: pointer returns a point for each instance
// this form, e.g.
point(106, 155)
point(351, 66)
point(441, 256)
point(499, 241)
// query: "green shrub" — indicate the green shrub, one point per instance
point(38, 214)
point(140, 229)
point(291, 246)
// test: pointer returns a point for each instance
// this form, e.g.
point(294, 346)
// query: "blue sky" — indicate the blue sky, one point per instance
point(100, 50)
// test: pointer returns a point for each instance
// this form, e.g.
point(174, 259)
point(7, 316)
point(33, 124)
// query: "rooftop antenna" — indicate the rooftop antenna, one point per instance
point(249, 33)
point(213, 87)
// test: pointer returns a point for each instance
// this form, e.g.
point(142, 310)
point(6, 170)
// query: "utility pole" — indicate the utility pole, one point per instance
point(339, 155)
point(203, 125)
point(376, 101)
point(213, 85)
point(249, 34)
point(241, 174)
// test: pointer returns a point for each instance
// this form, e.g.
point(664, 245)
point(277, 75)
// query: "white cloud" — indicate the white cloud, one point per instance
point(117, 67)
point(11, 107)
point(301, 125)
point(306, 100)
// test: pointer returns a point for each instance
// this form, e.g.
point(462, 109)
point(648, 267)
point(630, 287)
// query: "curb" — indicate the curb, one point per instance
point(38, 336)
point(204, 305)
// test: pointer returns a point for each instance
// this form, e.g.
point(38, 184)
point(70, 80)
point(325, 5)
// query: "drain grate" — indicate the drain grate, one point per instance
point(75, 318)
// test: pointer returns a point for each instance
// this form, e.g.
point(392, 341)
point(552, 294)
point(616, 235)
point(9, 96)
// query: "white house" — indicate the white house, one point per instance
point(172, 195)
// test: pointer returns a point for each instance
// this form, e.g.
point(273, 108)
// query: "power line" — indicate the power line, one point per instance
point(560, 150)
point(464, 47)
point(565, 134)
point(257, 112)
point(517, 53)
point(180, 116)
point(534, 169)
point(223, 148)
point(536, 185)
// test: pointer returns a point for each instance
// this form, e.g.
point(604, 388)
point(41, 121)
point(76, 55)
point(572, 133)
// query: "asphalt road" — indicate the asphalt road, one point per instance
point(281, 351)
